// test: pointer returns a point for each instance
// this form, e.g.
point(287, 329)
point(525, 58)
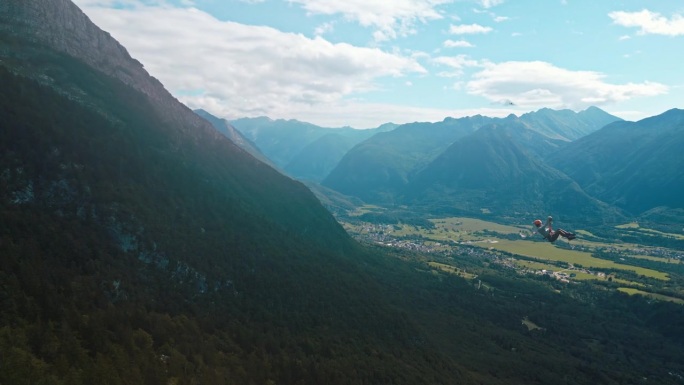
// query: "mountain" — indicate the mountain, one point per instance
point(230, 132)
point(379, 167)
point(315, 161)
point(280, 140)
point(302, 149)
point(566, 124)
point(492, 171)
point(636, 166)
point(139, 245)
point(176, 129)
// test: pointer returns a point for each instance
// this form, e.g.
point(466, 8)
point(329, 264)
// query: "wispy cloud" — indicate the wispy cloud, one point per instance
point(468, 29)
point(490, 3)
point(650, 22)
point(540, 84)
point(457, 44)
point(243, 70)
point(390, 19)
point(324, 28)
point(456, 64)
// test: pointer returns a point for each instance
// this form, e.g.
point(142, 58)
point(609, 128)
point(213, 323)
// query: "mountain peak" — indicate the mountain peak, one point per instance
point(61, 26)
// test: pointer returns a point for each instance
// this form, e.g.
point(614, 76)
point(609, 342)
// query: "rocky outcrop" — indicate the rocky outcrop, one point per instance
point(63, 27)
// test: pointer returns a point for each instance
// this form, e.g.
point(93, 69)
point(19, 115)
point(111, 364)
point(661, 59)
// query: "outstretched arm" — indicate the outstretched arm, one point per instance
point(549, 223)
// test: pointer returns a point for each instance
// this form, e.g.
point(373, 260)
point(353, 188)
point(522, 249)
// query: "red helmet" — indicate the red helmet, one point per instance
point(537, 222)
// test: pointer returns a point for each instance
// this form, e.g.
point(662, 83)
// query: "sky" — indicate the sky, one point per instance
point(362, 63)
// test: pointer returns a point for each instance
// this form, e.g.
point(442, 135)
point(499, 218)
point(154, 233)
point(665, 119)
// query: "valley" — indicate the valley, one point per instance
point(654, 271)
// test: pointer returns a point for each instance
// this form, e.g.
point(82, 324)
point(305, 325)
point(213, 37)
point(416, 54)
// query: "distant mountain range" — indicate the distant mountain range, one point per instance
point(491, 171)
point(473, 165)
point(582, 166)
point(636, 166)
point(303, 150)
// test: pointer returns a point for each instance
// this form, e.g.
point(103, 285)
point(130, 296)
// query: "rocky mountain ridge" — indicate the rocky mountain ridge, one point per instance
point(62, 26)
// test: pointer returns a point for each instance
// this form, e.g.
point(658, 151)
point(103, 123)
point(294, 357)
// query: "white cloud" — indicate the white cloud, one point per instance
point(490, 3)
point(650, 22)
point(324, 28)
point(464, 29)
point(237, 70)
point(539, 84)
point(390, 18)
point(457, 44)
point(457, 65)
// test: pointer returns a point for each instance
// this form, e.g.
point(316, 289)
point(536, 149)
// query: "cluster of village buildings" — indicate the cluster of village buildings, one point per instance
point(384, 235)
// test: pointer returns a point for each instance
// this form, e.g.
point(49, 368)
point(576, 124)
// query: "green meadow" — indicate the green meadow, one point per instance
point(632, 291)
point(451, 270)
point(547, 251)
point(452, 230)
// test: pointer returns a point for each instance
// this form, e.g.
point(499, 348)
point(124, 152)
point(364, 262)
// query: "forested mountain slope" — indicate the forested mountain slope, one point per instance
point(492, 169)
point(637, 166)
point(379, 169)
point(142, 248)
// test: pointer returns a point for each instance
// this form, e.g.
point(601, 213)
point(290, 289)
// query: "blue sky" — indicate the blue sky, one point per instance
point(362, 63)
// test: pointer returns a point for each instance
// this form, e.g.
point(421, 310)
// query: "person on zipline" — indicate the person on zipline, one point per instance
point(551, 235)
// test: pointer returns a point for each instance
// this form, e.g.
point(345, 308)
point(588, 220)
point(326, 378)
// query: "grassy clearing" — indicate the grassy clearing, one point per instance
point(531, 325)
point(632, 291)
point(451, 270)
point(532, 265)
point(662, 234)
point(577, 275)
point(365, 209)
point(471, 225)
point(635, 226)
point(652, 258)
point(631, 225)
point(545, 250)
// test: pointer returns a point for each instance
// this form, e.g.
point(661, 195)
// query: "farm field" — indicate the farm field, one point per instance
point(453, 230)
point(632, 291)
point(525, 251)
point(547, 251)
point(636, 226)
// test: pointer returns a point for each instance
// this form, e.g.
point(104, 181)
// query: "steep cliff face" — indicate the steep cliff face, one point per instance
point(63, 27)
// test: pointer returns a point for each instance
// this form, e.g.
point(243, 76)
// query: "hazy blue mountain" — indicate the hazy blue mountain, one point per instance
point(637, 166)
point(282, 141)
point(380, 167)
point(315, 161)
point(492, 170)
point(230, 132)
point(566, 124)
